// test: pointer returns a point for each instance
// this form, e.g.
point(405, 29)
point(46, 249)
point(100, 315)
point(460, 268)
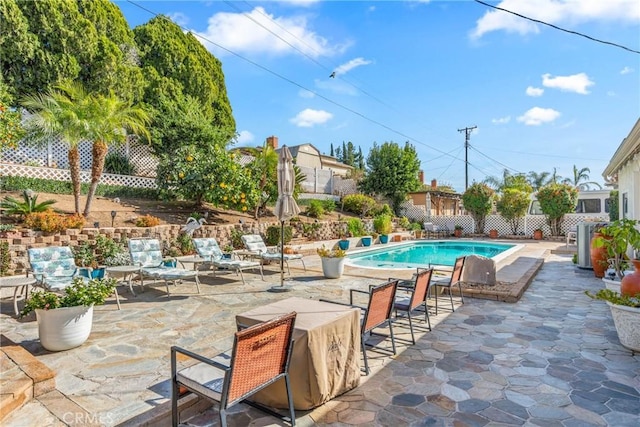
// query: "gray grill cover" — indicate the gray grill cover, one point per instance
point(480, 270)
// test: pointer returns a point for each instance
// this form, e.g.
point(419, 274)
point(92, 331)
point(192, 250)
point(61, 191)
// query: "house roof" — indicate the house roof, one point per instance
point(629, 147)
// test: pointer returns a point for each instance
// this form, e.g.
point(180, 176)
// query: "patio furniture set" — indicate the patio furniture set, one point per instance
point(298, 360)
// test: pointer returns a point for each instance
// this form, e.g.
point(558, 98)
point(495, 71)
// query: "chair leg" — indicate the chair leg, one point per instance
point(413, 339)
point(261, 272)
point(436, 297)
point(292, 413)
point(393, 340)
point(223, 417)
point(198, 283)
point(241, 276)
point(461, 296)
point(451, 299)
point(364, 355)
point(303, 265)
point(166, 283)
point(288, 269)
point(115, 291)
point(426, 315)
point(174, 391)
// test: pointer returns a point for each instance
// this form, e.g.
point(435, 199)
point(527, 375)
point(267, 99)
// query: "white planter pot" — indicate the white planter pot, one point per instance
point(627, 321)
point(613, 285)
point(332, 268)
point(64, 328)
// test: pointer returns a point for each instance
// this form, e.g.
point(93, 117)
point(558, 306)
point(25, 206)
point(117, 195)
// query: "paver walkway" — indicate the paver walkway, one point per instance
point(553, 359)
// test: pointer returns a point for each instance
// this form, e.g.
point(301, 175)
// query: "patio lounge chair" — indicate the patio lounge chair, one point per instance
point(260, 357)
point(377, 314)
point(209, 249)
point(447, 282)
point(257, 248)
point(418, 291)
point(147, 254)
point(54, 268)
point(434, 230)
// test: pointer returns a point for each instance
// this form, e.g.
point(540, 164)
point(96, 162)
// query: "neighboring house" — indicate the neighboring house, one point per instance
point(623, 173)
point(436, 202)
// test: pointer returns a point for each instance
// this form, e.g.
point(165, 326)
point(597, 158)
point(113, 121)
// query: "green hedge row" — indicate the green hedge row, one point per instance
point(19, 183)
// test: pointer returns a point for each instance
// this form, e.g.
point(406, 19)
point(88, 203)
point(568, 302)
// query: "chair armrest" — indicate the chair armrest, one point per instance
point(198, 357)
point(351, 291)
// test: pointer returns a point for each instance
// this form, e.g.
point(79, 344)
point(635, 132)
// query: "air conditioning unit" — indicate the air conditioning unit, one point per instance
point(585, 233)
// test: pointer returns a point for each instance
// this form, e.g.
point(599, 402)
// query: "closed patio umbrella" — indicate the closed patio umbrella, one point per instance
point(286, 206)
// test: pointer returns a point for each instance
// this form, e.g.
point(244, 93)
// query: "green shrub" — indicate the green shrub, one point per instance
point(315, 209)
point(359, 204)
point(356, 227)
point(273, 238)
point(404, 222)
point(29, 204)
point(382, 224)
point(329, 205)
point(118, 164)
point(310, 229)
point(236, 239)
point(385, 209)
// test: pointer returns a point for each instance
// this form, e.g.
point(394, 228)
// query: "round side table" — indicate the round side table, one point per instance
point(21, 286)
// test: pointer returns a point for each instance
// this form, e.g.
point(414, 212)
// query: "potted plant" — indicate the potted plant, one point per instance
point(227, 251)
point(618, 239)
point(537, 234)
point(343, 243)
point(382, 224)
point(64, 321)
point(457, 230)
point(493, 233)
point(598, 253)
point(625, 310)
point(332, 261)
point(85, 257)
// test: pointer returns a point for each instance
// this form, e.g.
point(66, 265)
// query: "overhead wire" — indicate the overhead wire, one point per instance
point(558, 28)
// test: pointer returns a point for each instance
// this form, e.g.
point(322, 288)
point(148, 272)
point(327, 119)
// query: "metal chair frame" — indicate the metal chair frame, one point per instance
point(418, 291)
point(455, 278)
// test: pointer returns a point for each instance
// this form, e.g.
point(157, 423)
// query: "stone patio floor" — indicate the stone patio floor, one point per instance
point(551, 359)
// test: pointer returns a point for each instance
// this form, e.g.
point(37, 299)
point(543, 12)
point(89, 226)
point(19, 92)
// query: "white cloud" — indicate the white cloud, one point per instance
point(536, 116)
point(534, 91)
point(308, 118)
point(501, 120)
point(254, 31)
point(577, 83)
point(558, 12)
point(627, 70)
point(179, 18)
point(348, 66)
point(244, 137)
point(303, 93)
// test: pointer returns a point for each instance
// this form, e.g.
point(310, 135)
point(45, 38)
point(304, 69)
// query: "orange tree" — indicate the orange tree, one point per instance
point(556, 200)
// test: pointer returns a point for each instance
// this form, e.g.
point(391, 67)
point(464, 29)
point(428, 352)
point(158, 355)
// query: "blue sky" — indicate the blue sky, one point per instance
point(419, 71)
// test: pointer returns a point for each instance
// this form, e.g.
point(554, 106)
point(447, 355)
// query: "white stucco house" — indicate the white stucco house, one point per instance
point(623, 172)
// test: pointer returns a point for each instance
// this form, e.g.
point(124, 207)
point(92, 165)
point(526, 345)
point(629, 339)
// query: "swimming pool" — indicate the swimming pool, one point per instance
point(423, 254)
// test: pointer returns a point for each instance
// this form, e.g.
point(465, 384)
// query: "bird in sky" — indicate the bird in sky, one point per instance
point(333, 75)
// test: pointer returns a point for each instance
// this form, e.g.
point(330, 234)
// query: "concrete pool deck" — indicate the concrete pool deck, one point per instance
point(552, 358)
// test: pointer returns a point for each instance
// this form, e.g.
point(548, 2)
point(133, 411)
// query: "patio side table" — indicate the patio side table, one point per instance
point(126, 272)
point(20, 284)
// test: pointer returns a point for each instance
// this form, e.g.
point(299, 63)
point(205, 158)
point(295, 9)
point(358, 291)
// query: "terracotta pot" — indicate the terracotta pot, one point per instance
point(493, 234)
point(598, 257)
point(457, 232)
point(537, 234)
point(630, 284)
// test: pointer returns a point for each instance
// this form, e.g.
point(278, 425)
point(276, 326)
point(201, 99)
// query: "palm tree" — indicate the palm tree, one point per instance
point(538, 180)
point(72, 114)
point(109, 123)
point(59, 113)
point(497, 183)
point(580, 175)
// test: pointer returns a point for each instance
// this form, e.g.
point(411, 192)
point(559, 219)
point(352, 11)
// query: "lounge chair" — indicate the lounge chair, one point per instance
point(260, 357)
point(418, 290)
point(209, 250)
point(54, 268)
point(256, 248)
point(434, 230)
point(147, 254)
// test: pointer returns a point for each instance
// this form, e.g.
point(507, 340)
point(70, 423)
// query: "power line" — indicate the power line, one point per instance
point(559, 28)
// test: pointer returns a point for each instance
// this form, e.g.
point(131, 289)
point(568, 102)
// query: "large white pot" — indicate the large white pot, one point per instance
point(613, 285)
point(627, 321)
point(332, 268)
point(64, 328)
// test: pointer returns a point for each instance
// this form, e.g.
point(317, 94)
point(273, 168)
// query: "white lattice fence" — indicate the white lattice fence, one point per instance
point(344, 186)
point(55, 154)
point(8, 169)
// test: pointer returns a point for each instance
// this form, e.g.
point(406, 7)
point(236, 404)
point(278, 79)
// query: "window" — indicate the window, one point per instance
point(625, 205)
point(607, 204)
point(588, 206)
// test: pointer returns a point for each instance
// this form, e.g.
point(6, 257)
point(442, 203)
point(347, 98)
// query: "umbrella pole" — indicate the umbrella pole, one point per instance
point(281, 253)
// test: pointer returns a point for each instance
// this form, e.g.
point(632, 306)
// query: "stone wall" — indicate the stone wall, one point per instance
point(21, 240)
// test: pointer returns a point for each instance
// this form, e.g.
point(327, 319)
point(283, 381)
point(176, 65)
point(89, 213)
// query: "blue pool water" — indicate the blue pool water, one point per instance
point(423, 254)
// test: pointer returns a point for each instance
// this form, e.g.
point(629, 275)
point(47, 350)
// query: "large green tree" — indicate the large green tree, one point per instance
point(45, 42)
point(392, 171)
point(175, 64)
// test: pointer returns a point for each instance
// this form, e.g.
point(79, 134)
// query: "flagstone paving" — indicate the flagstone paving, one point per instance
point(552, 359)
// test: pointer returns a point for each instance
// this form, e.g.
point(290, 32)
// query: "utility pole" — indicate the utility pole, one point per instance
point(467, 136)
